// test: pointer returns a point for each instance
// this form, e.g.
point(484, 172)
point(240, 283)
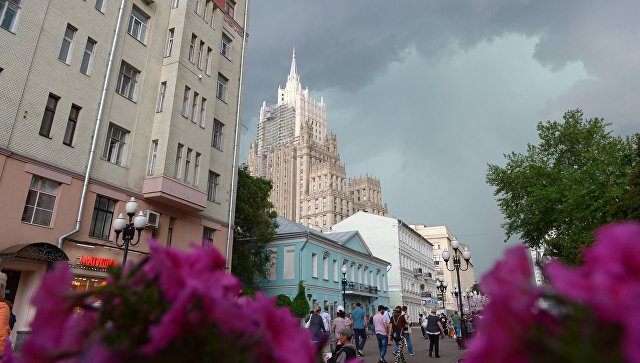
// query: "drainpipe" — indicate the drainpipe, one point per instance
point(233, 187)
point(96, 129)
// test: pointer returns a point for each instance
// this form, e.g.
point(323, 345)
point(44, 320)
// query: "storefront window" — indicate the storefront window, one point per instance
point(85, 283)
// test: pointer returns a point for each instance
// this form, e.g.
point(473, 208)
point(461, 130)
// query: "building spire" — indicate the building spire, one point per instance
point(294, 69)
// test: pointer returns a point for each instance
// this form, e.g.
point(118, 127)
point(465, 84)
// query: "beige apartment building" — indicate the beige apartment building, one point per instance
point(102, 101)
point(295, 151)
point(441, 237)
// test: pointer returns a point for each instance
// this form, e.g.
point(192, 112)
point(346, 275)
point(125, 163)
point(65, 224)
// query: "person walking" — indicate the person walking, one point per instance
point(434, 329)
point(398, 324)
point(316, 325)
point(407, 332)
point(359, 328)
point(456, 324)
point(339, 323)
point(421, 319)
point(381, 328)
point(443, 322)
point(5, 313)
point(347, 350)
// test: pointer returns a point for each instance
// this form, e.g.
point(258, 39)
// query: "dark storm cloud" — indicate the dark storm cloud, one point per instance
point(445, 87)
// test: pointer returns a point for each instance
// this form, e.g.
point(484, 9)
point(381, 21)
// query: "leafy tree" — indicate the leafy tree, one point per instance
point(560, 191)
point(255, 226)
point(628, 206)
point(300, 306)
point(283, 300)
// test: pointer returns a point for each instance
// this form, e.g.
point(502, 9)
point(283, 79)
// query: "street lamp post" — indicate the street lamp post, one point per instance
point(441, 285)
point(344, 287)
point(128, 230)
point(457, 254)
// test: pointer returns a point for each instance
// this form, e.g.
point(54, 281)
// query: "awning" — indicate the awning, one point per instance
point(41, 251)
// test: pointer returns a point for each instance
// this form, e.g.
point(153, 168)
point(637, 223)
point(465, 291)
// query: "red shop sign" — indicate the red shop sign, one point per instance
point(98, 262)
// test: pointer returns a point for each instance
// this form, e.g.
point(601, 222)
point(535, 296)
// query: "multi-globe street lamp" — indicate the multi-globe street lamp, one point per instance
point(344, 286)
point(441, 285)
point(128, 230)
point(457, 255)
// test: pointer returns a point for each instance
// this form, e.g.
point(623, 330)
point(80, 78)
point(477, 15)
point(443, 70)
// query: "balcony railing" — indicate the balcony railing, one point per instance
point(357, 287)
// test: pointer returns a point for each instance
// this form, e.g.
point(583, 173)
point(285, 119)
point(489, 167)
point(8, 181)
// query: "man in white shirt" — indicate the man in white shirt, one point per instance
point(326, 318)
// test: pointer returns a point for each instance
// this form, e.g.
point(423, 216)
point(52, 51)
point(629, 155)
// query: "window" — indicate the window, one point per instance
point(335, 270)
point(153, 154)
point(198, 7)
point(100, 5)
point(127, 81)
point(217, 134)
point(114, 148)
point(221, 89)
point(102, 217)
point(38, 208)
point(67, 41)
point(273, 264)
point(289, 260)
point(325, 267)
point(207, 62)
point(212, 186)
point(70, 131)
point(314, 265)
point(161, 95)
point(207, 10)
point(185, 101)
point(200, 54)
point(175, 3)
point(196, 169)
point(138, 23)
point(207, 237)
point(169, 47)
point(225, 46)
point(9, 10)
point(192, 47)
point(203, 112)
point(49, 113)
point(87, 58)
point(187, 165)
point(229, 7)
point(194, 107)
point(178, 173)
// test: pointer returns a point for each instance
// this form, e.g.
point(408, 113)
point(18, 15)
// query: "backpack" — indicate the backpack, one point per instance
point(396, 331)
point(349, 351)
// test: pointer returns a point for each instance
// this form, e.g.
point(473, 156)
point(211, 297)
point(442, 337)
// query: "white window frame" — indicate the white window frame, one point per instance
point(138, 24)
point(221, 87)
point(213, 181)
point(100, 4)
point(203, 111)
point(196, 169)
point(289, 263)
point(153, 155)
point(273, 264)
point(87, 57)
point(192, 47)
point(175, 3)
point(115, 146)
point(178, 171)
point(225, 46)
point(207, 62)
point(325, 267)
point(229, 7)
point(42, 187)
point(127, 80)
point(314, 265)
point(335, 270)
point(200, 54)
point(8, 6)
point(218, 129)
point(66, 48)
point(72, 123)
point(185, 101)
point(162, 94)
point(187, 165)
point(169, 46)
point(194, 106)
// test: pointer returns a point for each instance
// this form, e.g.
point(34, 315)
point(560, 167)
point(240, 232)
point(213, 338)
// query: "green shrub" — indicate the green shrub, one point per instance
point(283, 300)
point(300, 305)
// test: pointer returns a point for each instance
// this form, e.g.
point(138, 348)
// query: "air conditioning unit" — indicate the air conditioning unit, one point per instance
point(153, 218)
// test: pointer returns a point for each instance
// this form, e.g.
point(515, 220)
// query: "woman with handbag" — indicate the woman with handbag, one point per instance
point(398, 324)
point(434, 329)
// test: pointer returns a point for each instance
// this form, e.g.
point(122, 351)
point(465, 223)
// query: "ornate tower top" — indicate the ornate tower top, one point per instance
point(294, 69)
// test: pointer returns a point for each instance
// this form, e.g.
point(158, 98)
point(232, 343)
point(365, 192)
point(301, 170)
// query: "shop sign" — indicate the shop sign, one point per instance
point(92, 261)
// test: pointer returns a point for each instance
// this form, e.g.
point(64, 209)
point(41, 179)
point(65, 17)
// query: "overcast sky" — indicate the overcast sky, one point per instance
point(424, 93)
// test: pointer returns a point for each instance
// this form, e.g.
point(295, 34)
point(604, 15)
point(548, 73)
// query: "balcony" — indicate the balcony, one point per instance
point(361, 289)
point(174, 193)
point(425, 294)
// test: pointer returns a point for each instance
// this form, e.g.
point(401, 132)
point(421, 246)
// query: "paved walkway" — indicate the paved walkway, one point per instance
point(449, 351)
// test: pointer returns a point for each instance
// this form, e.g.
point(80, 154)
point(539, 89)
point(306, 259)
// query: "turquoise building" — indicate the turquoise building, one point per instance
point(319, 259)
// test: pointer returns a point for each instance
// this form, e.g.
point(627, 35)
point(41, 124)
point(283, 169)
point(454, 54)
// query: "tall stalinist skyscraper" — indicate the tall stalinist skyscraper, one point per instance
point(294, 150)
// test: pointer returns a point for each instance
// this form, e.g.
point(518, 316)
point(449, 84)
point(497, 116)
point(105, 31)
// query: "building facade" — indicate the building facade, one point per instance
point(441, 238)
point(299, 253)
point(295, 151)
point(412, 273)
point(103, 101)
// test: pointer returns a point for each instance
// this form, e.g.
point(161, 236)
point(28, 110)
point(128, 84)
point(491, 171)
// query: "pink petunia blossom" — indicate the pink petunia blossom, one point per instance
point(510, 312)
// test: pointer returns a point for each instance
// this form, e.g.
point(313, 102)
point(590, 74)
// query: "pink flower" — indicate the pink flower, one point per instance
point(510, 313)
point(608, 281)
